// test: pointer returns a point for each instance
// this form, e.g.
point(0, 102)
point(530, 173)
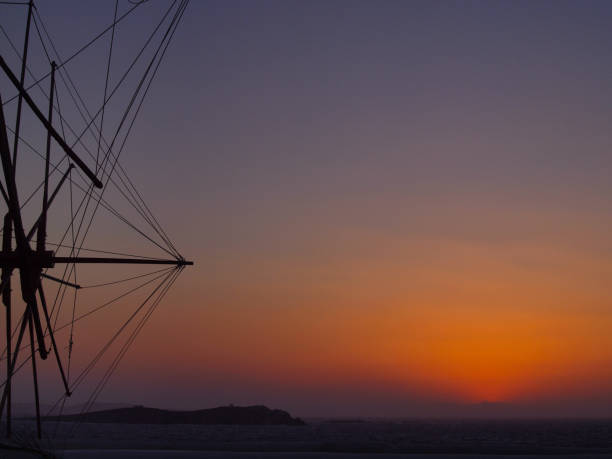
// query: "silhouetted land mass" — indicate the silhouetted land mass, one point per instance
point(232, 415)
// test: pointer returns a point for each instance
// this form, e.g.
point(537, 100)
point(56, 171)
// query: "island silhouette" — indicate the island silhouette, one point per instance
point(232, 415)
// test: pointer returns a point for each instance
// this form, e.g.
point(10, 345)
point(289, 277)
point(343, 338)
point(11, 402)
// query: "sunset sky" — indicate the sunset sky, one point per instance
point(392, 206)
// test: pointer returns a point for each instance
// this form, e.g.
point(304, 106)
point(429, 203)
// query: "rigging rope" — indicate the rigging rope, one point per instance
point(79, 51)
point(108, 65)
point(175, 20)
point(120, 281)
point(128, 343)
point(107, 206)
point(90, 154)
point(136, 200)
point(78, 381)
point(71, 339)
point(174, 271)
point(84, 106)
point(106, 304)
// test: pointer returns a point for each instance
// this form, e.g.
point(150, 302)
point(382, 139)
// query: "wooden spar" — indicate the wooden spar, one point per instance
point(58, 138)
point(24, 61)
point(57, 188)
point(35, 377)
point(47, 259)
point(42, 227)
point(131, 261)
point(7, 237)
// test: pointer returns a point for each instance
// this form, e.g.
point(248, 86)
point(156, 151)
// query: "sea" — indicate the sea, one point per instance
point(337, 439)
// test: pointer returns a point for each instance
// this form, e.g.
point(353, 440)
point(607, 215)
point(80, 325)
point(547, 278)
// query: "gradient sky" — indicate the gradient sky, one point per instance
point(391, 205)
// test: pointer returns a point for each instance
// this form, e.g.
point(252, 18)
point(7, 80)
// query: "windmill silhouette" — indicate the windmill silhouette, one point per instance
point(30, 261)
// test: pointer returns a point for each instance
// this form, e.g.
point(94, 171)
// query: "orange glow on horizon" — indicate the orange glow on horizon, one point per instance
point(439, 320)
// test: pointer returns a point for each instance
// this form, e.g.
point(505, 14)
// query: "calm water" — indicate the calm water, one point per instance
point(558, 438)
